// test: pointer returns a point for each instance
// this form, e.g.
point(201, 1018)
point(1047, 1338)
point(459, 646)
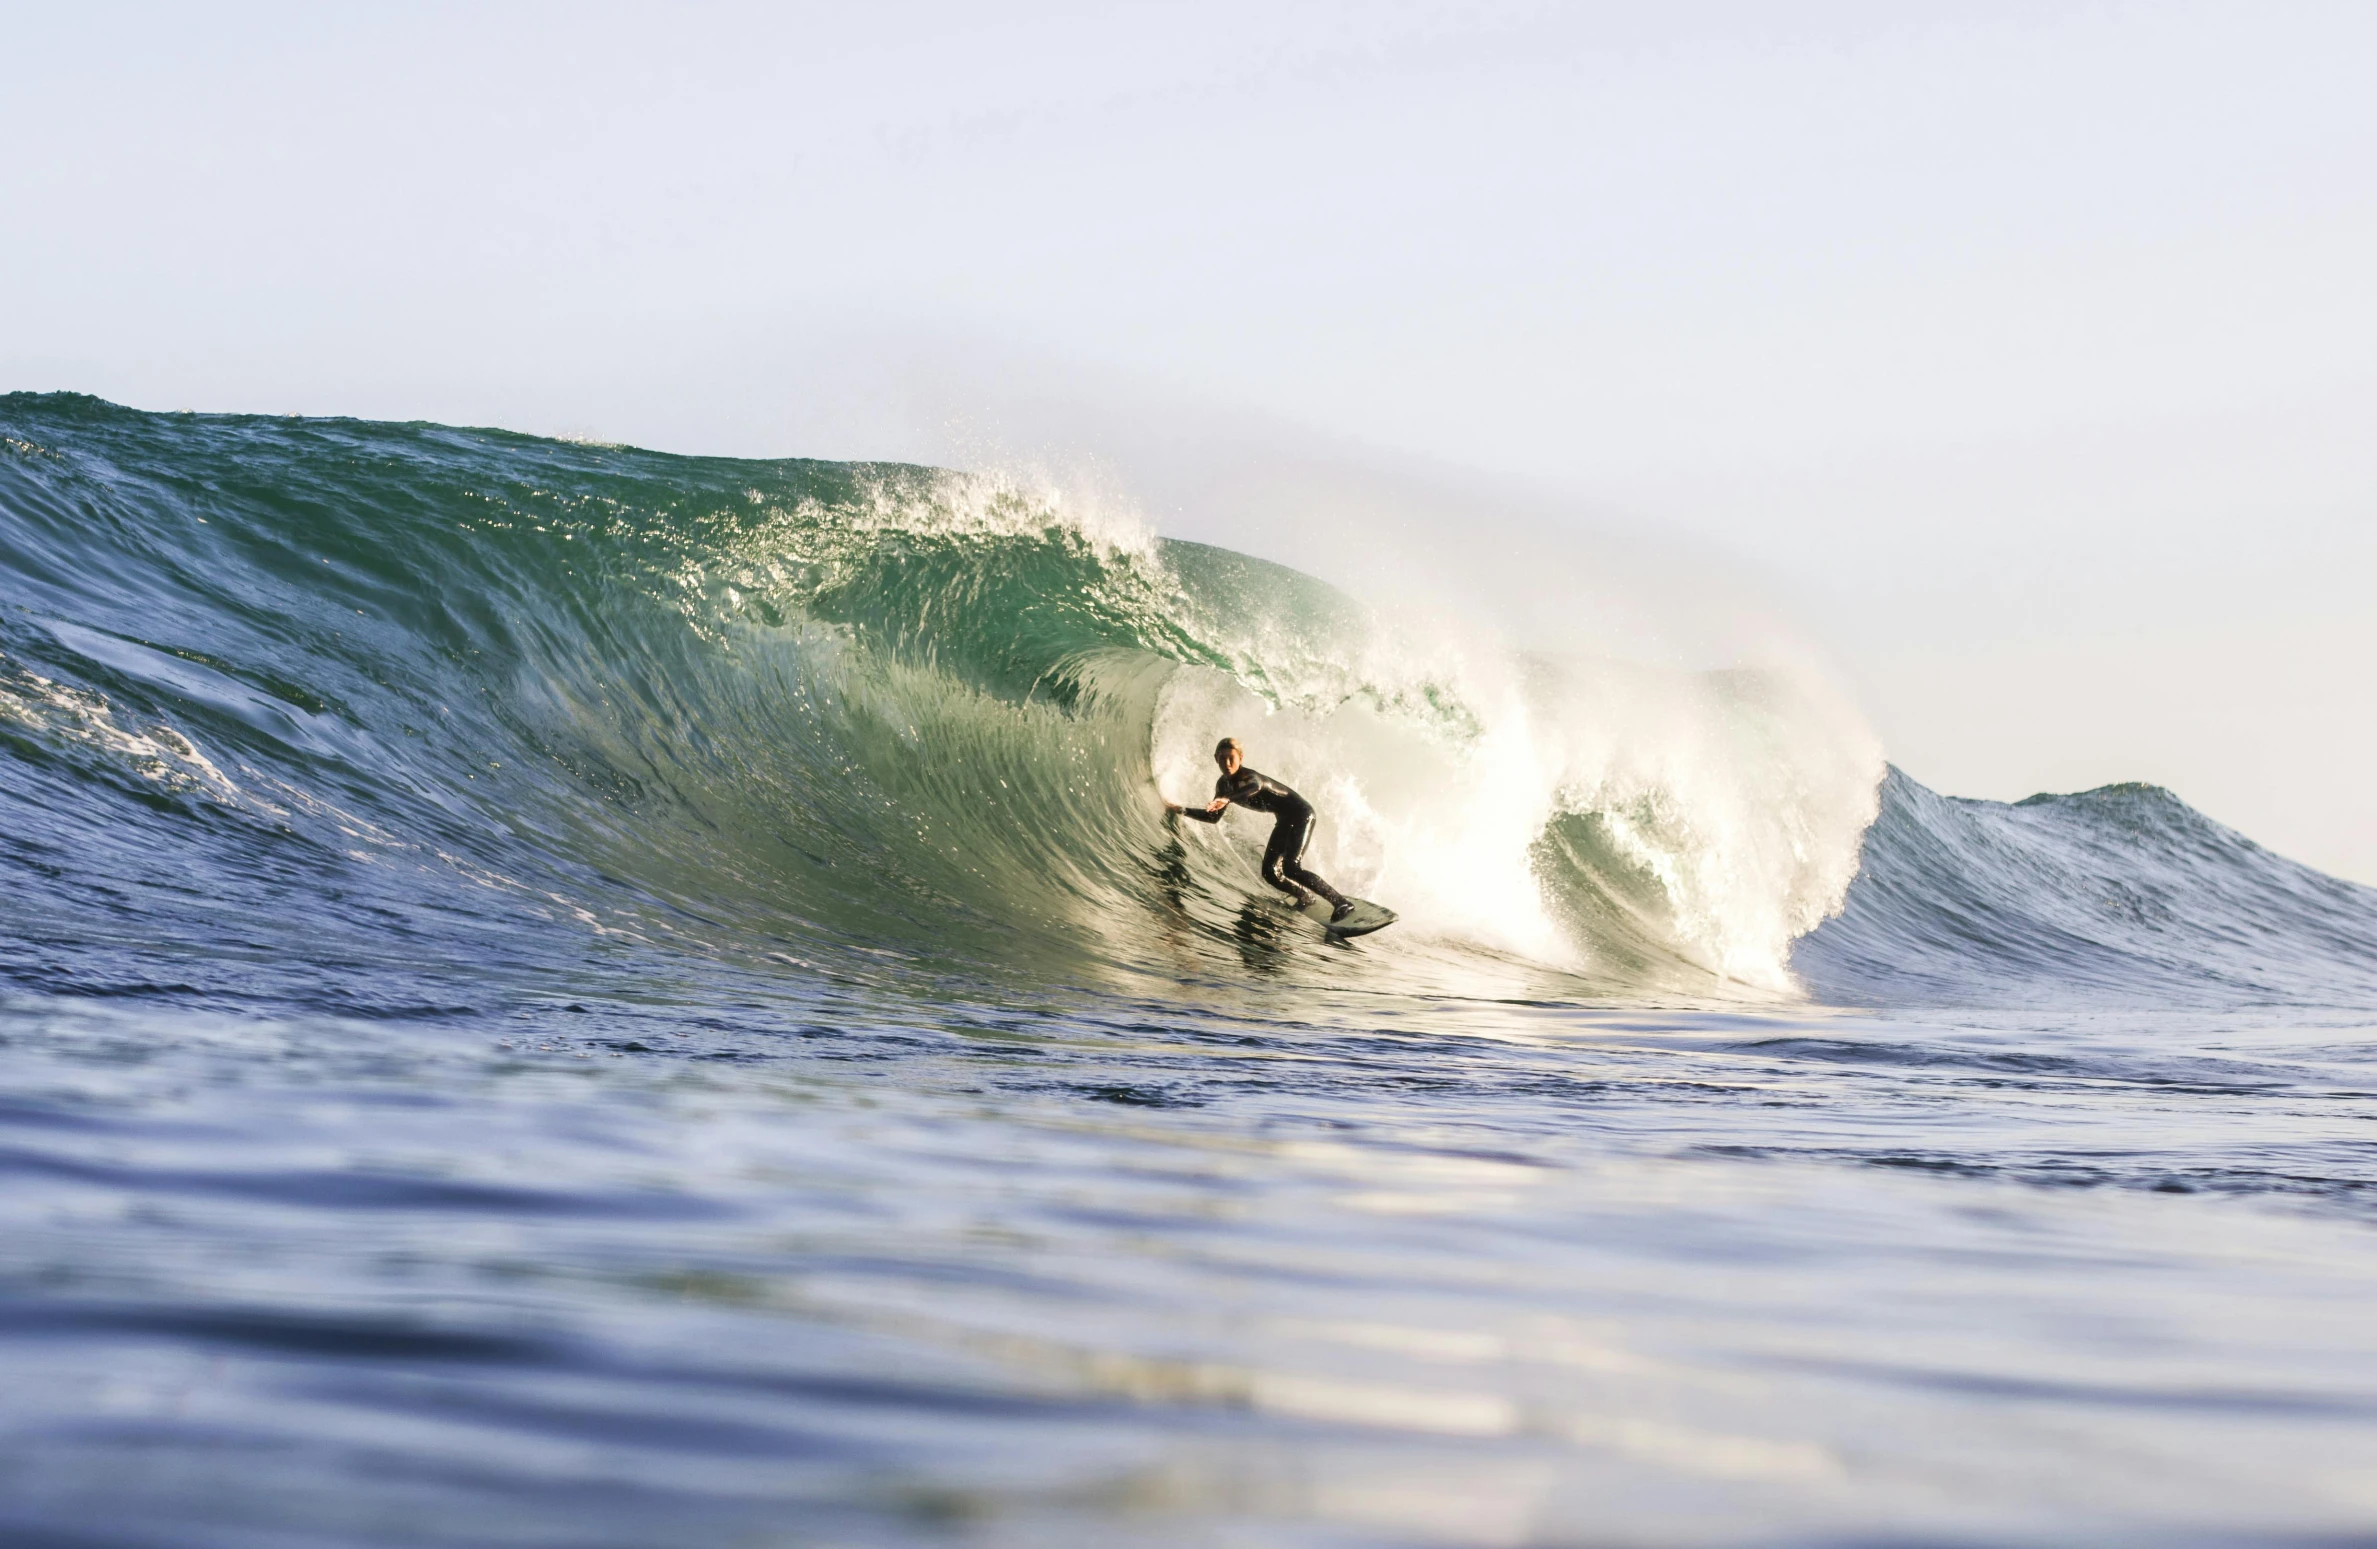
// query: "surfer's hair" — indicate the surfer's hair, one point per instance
point(1229, 745)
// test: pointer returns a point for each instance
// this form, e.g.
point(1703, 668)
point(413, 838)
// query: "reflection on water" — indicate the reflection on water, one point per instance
point(817, 1271)
point(1260, 930)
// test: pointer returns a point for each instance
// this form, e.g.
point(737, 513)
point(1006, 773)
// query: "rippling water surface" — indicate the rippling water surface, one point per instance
point(568, 997)
point(794, 1270)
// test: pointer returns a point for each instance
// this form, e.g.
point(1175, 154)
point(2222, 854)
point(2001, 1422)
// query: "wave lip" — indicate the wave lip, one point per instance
point(2119, 896)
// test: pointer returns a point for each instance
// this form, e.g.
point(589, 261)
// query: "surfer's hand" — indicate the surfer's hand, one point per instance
point(1217, 803)
point(1175, 808)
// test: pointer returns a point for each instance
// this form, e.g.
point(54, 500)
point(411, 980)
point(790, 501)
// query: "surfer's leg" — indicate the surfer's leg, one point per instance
point(1291, 853)
point(1288, 836)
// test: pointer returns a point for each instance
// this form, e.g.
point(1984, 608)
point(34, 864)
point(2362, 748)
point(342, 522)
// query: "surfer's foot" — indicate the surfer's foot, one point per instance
point(1305, 900)
point(1345, 906)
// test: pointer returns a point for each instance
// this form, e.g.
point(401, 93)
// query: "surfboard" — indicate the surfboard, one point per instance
point(1366, 917)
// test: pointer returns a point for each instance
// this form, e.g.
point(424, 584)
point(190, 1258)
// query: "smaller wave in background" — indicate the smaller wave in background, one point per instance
point(2119, 896)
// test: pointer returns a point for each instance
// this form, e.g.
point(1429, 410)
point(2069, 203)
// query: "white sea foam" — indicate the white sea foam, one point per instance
point(83, 718)
point(1441, 752)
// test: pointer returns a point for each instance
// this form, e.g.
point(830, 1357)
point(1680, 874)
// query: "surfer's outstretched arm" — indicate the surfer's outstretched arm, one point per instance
point(1211, 812)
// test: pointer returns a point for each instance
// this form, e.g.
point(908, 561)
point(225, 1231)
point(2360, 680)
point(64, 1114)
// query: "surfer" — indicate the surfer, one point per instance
point(1291, 828)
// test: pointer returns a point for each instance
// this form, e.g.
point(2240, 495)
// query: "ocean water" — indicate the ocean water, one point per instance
point(562, 996)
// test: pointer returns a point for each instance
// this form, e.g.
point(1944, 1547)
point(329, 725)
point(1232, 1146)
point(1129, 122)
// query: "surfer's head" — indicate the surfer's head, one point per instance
point(1229, 755)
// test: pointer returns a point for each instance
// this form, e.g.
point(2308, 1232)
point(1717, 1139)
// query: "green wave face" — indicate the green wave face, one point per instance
point(841, 716)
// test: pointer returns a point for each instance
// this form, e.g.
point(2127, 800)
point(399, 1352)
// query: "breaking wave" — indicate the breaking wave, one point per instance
point(355, 711)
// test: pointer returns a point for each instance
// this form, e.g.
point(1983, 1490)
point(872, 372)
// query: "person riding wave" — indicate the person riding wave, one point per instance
point(1291, 829)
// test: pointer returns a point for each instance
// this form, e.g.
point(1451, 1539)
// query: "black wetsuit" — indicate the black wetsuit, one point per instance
point(1283, 857)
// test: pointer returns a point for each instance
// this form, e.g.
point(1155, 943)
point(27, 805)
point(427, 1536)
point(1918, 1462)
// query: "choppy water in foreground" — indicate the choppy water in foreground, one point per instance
point(569, 997)
point(813, 1270)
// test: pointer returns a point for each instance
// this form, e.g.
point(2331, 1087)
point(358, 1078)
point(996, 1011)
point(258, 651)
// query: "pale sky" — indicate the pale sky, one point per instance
point(2026, 353)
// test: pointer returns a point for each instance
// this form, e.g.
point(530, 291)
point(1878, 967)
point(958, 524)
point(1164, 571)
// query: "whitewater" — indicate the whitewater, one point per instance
point(557, 994)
